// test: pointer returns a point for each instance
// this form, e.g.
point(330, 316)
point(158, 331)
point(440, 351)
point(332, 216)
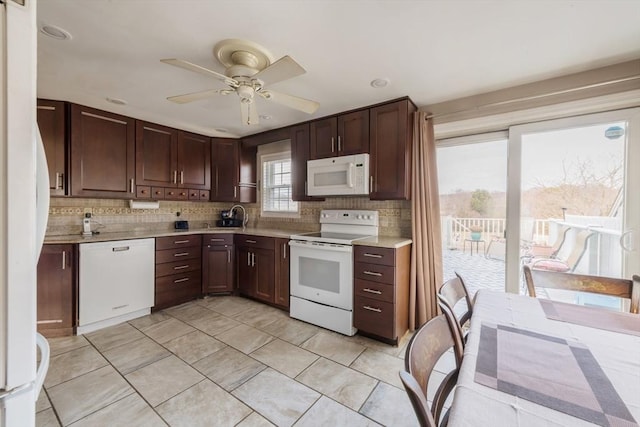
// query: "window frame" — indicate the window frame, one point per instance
point(270, 157)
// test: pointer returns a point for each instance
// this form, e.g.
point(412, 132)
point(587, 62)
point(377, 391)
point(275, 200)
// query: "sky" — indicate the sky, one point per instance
point(484, 165)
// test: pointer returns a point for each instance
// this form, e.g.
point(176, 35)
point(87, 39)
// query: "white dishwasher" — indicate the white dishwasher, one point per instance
point(116, 282)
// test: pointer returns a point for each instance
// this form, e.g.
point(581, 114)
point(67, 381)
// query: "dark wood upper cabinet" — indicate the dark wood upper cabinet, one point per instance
point(339, 136)
point(300, 141)
point(156, 155)
point(225, 164)
point(166, 157)
point(248, 173)
point(194, 161)
point(353, 133)
point(391, 133)
point(324, 134)
point(52, 123)
point(102, 154)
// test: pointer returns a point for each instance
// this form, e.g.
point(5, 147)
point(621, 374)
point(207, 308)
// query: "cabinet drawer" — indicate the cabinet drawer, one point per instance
point(176, 194)
point(157, 193)
point(169, 293)
point(176, 282)
point(255, 241)
point(180, 254)
point(374, 272)
point(204, 195)
point(374, 317)
point(178, 267)
point(217, 239)
point(174, 242)
point(194, 194)
point(373, 290)
point(143, 192)
point(383, 256)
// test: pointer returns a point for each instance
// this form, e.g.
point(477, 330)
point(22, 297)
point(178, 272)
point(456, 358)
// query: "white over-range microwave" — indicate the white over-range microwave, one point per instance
point(338, 176)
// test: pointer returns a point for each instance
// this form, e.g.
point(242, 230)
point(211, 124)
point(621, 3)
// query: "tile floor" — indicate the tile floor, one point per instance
point(222, 361)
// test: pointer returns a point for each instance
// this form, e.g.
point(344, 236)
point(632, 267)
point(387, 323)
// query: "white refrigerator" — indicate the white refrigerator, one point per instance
point(24, 201)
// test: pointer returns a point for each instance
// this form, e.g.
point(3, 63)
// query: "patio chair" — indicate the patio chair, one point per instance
point(426, 347)
point(622, 288)
point(569, 264)
point(537, 250)
point(450, 294)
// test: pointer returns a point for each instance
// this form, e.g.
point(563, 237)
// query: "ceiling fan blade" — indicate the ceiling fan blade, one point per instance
point(196, 96)
point(249, 113)
point(283, 69)
point(291, 101)
point(201, 70)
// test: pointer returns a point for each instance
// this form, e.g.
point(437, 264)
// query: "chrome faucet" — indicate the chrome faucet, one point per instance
point(245, 216)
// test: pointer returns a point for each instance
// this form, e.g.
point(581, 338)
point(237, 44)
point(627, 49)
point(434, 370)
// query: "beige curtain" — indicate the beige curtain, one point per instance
point(426, 251)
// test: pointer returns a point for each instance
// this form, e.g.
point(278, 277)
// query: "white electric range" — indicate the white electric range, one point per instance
point(322, 269)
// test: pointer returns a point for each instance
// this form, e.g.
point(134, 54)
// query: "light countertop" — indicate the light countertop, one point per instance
point(380, 241)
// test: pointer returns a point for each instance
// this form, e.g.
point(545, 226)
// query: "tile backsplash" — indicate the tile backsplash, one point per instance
point(109, 215)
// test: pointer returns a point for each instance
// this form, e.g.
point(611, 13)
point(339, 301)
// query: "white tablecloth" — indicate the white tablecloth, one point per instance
point(477, 405)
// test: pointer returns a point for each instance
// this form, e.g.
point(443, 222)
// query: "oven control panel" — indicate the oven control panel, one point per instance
point(349, 217)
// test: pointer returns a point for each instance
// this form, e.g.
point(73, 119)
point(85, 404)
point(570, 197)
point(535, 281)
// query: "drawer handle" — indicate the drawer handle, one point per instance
point(181, 267)
point(185, 279)
point(372, 273)
point(216, 240)
point(177, 242)
point(372, 291)
point(377, 310)
point(181, 254)
point(373, 255)
point(120, 249)
point(251, 241)
point(118, 307)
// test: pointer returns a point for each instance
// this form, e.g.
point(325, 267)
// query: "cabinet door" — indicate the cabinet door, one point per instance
point(263, 262)
point(56, 304)
point(353, 133)
point(102, 154)
point(323, 138)
point(299, 156)
point(226, 167)
point(281, 293)
point(217, 269)
point(156, 155)
point(390, 139)
point(194, 161)
point(246, 275)
point(52, 124)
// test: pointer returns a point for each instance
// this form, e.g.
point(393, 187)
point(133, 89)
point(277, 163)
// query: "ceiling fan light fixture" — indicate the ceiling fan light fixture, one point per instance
point(379, 83)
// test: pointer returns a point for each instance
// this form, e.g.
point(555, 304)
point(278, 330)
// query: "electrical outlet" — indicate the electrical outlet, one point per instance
point(88, 211)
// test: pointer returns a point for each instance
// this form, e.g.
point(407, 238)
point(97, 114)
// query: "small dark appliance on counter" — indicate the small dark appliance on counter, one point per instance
point(228, 219)
point(181, 225)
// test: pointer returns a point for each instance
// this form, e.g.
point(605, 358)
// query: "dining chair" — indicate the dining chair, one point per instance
point(622, 288)
point(451, 293)
point(426, 347)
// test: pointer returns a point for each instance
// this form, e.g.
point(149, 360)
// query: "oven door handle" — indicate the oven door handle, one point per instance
point(319, 246)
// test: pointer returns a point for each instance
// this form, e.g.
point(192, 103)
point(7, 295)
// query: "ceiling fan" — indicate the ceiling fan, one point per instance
point(249, 68)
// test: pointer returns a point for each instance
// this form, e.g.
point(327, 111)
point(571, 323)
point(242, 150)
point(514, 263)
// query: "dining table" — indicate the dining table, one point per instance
point(535, 362)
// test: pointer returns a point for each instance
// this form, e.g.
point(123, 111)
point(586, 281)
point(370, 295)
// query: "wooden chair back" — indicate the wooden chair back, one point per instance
point(623, 288)
point(454, 290)
point(426, 347)
point(458, 334)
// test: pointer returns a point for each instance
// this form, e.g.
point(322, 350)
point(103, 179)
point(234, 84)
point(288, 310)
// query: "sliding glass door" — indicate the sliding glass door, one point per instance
point(573, 197)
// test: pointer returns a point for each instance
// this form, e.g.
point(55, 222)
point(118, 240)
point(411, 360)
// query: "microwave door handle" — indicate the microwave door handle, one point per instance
point(350, 175)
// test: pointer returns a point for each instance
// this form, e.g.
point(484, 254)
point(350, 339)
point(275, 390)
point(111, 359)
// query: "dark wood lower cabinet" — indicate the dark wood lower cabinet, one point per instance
point(381, 291)
point(178, 270)
point(281, 293)
point(56, 291)
point(218, 261)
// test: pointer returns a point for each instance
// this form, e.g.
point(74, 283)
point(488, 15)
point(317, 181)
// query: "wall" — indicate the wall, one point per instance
point(65, 215)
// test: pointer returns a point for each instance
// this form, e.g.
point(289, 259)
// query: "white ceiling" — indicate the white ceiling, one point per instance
point(432, 51)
